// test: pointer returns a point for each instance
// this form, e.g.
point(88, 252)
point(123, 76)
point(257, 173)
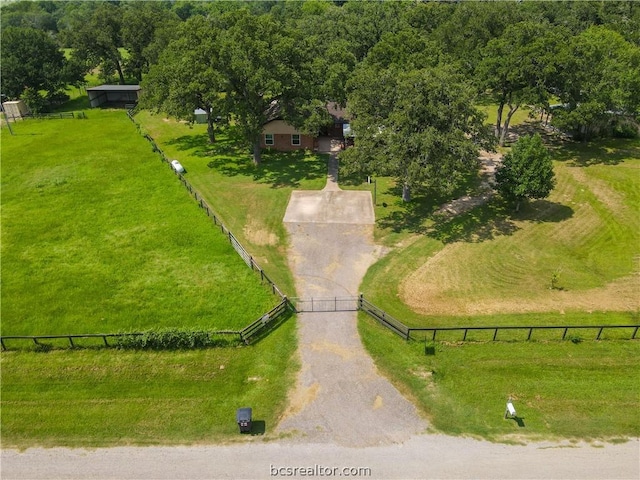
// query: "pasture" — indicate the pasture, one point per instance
point(98, 235)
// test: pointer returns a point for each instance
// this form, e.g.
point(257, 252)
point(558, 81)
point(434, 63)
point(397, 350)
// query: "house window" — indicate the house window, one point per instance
point(268, 139)
point(295, 139)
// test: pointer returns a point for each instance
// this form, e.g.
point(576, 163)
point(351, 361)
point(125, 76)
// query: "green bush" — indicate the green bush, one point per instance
point(174, 339)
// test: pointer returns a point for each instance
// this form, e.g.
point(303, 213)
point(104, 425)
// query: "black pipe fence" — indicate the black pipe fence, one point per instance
point(237, 246)
point(409, 333)
point(249, 334)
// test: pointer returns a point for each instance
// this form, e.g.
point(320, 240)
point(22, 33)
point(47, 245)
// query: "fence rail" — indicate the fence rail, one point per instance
point(399, 328)
point(393, 324)
point(565, 329)
point(265, 322)
point(104, 336)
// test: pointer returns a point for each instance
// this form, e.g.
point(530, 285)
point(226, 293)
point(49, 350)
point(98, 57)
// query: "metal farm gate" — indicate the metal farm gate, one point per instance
point(325, 304)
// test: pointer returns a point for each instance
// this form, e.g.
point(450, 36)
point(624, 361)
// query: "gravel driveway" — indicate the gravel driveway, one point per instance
point(344, 419)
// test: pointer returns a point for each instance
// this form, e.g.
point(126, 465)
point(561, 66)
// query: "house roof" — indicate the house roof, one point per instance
point(338, 113)
point(114, 88)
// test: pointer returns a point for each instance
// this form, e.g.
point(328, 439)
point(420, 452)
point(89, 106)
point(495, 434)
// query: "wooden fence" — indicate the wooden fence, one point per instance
point(249, 334)
point(408, 333)
point(393, 324)
point(529, 329)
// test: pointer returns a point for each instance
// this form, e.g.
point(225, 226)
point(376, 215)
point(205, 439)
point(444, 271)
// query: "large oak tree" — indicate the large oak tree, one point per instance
point(420, 127)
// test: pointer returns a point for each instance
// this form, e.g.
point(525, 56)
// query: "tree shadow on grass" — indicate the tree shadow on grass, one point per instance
point(231, 157)
point(599, 152)
point(494, 219)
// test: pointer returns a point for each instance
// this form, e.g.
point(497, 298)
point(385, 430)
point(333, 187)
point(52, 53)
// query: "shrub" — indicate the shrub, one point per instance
point(174, 339)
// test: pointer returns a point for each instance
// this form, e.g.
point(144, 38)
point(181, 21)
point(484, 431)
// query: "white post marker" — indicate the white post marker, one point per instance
point(510, 412)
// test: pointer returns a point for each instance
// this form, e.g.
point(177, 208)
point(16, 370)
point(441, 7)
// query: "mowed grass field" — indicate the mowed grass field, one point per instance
point(98, 235)
point(251, 200)
point(100, 398)
point(493, 267)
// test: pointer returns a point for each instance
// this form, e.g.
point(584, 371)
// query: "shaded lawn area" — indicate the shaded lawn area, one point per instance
point(102, 398)
point(250, 199)
point(99, 236)
point(585, 390)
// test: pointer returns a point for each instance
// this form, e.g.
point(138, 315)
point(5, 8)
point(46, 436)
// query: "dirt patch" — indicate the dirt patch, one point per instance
point(301, 398)
point(258, 234)
point(341, 351)
point(618, 296)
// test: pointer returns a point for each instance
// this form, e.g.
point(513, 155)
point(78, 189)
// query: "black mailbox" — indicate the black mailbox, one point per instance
point(243, 417)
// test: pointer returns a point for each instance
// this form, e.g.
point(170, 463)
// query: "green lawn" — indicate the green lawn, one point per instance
point(99, 236)
point(493, 267)
point(251, 200)
point(100, 398)
point(587, 390)
point(492, 261)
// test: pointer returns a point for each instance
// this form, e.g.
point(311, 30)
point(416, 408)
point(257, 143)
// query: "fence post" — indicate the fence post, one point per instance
point(565, 332)
point(106, 344)
point(3, 345)
point(495, 334)
point(530, 332)
point(599, 333)
point(634, 333)
point(71, 341)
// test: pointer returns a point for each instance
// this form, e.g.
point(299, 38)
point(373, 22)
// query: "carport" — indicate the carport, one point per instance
point(118, 96)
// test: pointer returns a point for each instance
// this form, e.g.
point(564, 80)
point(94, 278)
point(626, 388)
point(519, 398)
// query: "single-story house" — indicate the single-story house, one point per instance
point(279, 135)
point(114, 95)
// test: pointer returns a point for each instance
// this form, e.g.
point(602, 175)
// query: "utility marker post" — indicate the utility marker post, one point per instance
point(510, 412)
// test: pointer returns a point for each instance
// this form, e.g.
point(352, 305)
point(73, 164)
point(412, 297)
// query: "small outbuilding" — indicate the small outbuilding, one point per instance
point(15, 109)
point(117, 96)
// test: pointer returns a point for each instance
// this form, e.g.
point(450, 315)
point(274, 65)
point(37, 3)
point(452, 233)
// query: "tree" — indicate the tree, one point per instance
point(419, 126)
point(526, 171)
point(601, 82)
point(143, 24)
point(261, 65)
point(187, 75)
point(519, 68)
point(95, 35)
point(30, 59)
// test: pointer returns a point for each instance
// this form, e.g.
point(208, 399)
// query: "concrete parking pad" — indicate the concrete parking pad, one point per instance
point(330, 206)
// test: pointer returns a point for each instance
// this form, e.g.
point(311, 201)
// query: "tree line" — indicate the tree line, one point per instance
point(410, 73)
